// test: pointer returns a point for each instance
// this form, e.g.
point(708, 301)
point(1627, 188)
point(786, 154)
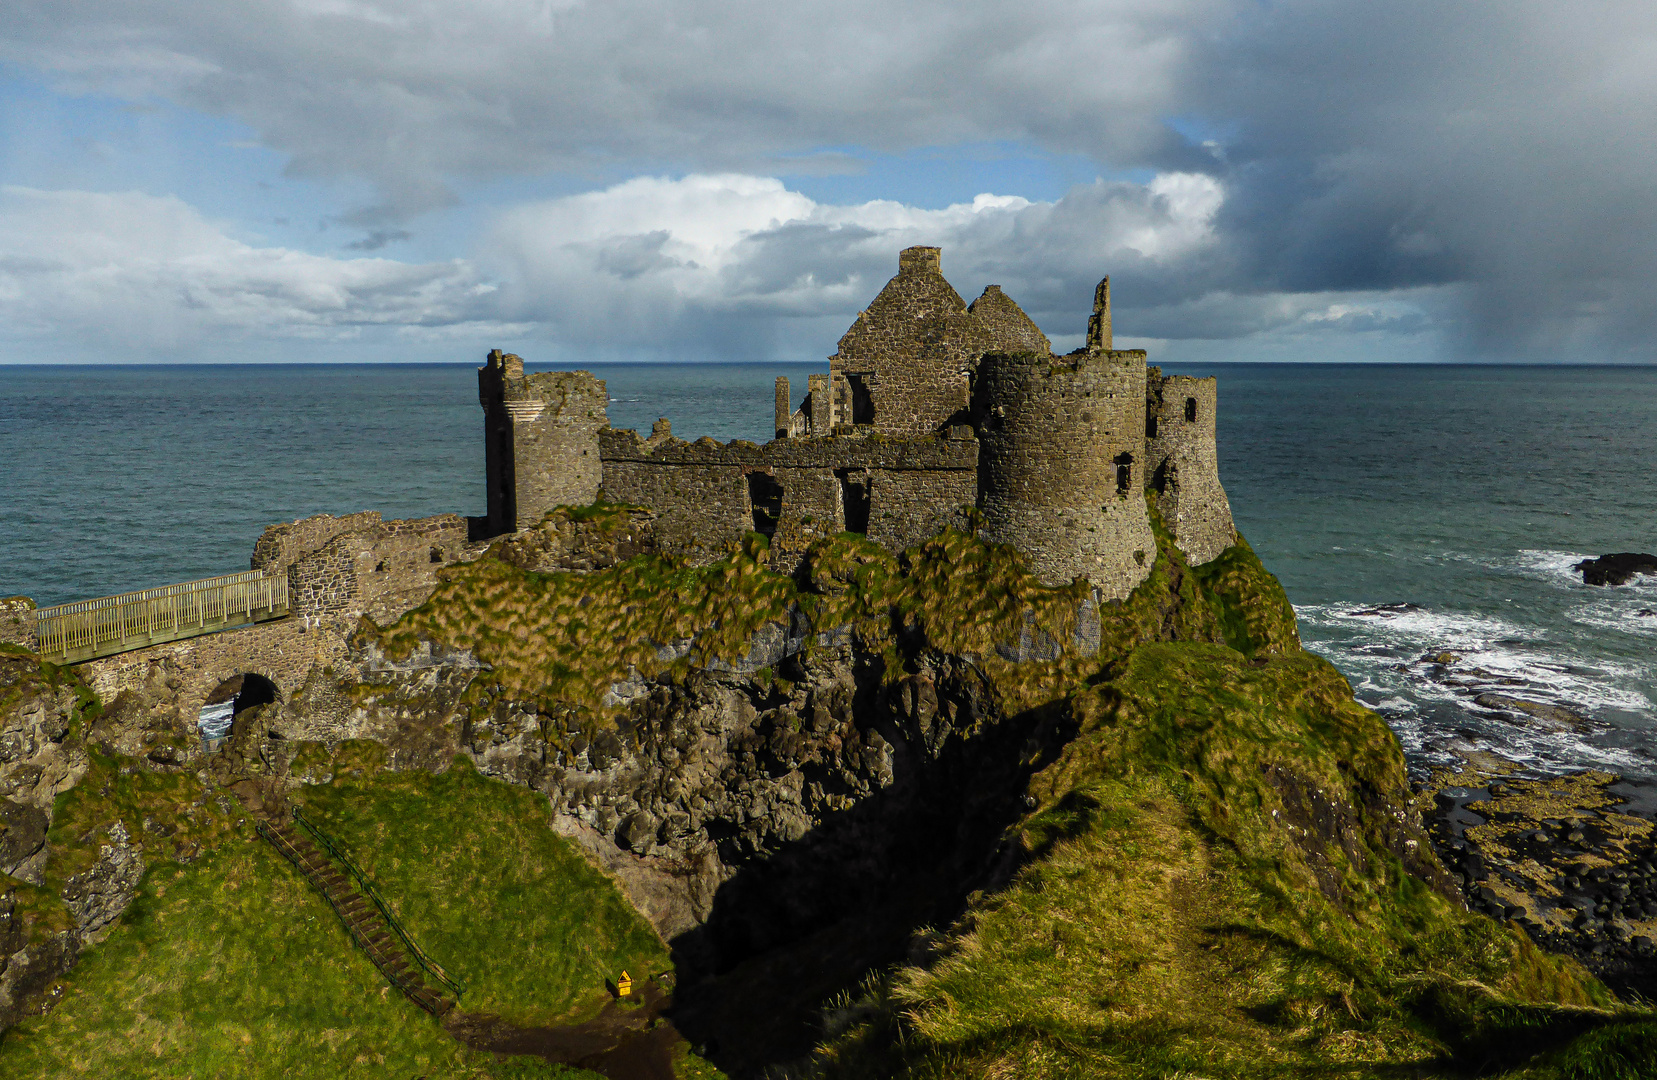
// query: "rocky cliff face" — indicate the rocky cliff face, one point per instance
point(788, 773)
point(39, 709)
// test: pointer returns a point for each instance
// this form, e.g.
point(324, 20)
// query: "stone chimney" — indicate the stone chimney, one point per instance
point(920, 260)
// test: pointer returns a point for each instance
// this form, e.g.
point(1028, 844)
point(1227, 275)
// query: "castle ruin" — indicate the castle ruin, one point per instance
point(933, 413)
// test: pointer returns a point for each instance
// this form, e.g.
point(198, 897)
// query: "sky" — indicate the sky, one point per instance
point(1287, 180)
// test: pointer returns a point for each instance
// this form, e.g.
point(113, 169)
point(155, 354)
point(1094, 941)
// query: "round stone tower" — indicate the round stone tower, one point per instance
point(1182, 463)
point(1060, 471)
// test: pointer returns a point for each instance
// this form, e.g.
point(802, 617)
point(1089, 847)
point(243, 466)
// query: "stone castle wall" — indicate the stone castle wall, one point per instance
point(1060, 470)
point(910, 349)
point(541, 433)
point(17, 621)
point(380, 569)
point(1008, 328)
point(884, 444)
point(705, 493)
point(1182, 463)
point(281, 545)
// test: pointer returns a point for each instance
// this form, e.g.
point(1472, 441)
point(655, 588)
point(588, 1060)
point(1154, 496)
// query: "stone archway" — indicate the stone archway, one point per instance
point(230, 699)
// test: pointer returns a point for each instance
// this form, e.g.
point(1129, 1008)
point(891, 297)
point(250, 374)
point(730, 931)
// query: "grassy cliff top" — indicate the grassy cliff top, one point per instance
point(560, 639)
point(1218, 880)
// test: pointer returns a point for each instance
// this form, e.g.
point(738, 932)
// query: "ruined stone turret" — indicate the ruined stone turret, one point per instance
point(541, 440)
point(1059, 470)
point(1182, 462)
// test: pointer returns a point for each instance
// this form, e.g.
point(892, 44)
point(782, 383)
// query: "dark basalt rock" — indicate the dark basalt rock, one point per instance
point(1385, 611)
point(1616, 569)
point(1556, 715)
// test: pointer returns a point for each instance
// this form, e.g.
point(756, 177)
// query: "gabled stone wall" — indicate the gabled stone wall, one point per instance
point(909, 351)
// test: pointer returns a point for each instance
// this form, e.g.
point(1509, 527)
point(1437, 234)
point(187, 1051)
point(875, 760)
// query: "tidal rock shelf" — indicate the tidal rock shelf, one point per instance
point(1562, 857)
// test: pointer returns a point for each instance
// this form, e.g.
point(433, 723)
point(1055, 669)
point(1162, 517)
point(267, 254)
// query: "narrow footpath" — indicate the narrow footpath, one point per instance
point(623, 1042)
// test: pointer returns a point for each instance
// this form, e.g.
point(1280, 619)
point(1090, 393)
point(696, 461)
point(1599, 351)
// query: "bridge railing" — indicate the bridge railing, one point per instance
point(69, 633)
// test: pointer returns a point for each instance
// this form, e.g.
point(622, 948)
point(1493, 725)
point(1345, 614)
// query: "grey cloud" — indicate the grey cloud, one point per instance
point(1502, 153)
point(378, 239)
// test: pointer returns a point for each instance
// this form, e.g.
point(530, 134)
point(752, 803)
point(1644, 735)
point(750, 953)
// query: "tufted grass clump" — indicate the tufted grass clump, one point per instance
point(1179, 912)
point(562, 639)
point(566, 637)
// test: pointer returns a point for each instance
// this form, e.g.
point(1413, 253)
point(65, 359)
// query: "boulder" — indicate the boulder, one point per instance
point(1616, 569)
point(1550, 714)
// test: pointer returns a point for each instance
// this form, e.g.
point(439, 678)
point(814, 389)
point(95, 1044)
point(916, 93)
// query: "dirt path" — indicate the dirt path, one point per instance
point(623, 1042)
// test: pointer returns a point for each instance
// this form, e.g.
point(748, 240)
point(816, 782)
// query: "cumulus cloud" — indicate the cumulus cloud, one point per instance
point(1503, 154)
point(151, 273)
point(711, 263)
point(726, 265)
point(414, 95)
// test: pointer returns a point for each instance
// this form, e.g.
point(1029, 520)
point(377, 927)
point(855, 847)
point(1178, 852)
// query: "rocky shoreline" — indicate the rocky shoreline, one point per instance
point(1562, 857)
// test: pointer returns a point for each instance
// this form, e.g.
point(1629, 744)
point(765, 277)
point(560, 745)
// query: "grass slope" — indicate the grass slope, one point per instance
point(480, 881)
point(1204, 895)
point(233, 965)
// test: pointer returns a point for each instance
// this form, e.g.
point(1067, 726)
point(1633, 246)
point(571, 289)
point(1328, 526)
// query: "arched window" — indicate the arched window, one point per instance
point(1124, 473)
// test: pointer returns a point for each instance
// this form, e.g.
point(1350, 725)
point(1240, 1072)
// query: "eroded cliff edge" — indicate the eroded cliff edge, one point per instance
point(795, 778)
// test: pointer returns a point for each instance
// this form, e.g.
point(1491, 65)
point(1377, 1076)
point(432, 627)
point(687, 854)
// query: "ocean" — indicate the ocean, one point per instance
point(1408, 510)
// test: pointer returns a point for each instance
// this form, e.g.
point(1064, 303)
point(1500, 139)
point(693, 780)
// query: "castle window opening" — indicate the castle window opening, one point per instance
point(1164, 478)
point(1150, 425)
point(863, 404)
point(437, 555)
point(1190, 409)
point(854, 499)
point(765, 496)
point(1124, 473)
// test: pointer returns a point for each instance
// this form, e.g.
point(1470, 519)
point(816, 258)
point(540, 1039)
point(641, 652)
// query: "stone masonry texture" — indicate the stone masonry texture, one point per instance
point(1182, 464)
point(933, 414)
point(1059, 467)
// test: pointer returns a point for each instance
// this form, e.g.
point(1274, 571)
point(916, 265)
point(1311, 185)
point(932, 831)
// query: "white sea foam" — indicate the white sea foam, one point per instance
point(215, 719)
point(1387, 653)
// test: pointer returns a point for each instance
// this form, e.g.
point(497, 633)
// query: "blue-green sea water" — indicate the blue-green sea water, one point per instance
point(1465, 491)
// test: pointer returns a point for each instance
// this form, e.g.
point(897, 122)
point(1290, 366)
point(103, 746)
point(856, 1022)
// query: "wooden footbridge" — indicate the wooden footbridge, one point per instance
point(87, 629)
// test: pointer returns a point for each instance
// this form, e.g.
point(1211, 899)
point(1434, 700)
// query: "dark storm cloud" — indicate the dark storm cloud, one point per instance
point(1502, 154)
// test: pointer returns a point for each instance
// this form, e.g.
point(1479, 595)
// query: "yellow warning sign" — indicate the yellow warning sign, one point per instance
point(624, 985)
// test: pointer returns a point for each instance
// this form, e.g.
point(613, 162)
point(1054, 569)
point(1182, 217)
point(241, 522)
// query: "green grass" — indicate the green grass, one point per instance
point(1177, 917)
point(478, 879)
point(234, 966)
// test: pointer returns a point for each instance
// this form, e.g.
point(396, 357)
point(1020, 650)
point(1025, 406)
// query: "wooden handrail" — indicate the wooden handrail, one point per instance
point(81, 630)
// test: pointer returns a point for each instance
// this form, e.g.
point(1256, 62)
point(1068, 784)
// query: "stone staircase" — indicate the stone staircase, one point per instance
point(366, 919)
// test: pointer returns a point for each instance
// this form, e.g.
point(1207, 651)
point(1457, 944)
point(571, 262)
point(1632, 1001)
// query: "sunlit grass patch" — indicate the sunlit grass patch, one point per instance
point(475, 873)
point(234, 966)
